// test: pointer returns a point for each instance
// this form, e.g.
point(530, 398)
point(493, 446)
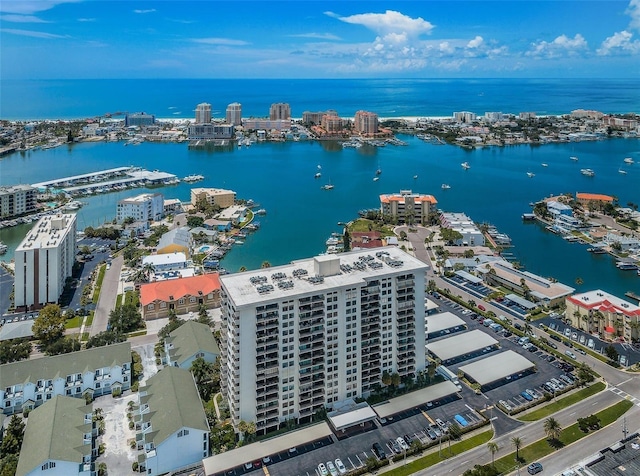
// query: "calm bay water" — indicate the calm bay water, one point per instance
point(300, 216)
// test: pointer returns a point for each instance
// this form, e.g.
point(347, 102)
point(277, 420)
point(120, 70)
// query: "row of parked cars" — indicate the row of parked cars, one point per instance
point(403, 443)
point(332, 468)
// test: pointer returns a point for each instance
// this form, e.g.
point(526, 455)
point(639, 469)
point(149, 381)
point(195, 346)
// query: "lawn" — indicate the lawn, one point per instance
point(363, 225)
point(540, 448)
point(98, 286)
point(73, 323)
point(434, 458)
point(564, 402)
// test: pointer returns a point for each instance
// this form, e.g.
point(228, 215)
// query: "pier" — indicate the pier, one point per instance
point(110, 180)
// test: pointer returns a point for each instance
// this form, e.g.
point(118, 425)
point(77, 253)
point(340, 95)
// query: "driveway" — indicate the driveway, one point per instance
point(118, 455)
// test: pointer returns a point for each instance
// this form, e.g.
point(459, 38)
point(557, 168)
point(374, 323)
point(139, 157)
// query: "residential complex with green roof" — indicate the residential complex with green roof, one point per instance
point(188, 342)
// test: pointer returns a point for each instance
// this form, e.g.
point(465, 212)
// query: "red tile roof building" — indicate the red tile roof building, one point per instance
point(603, 313)
point(183, 295)
point(399, 205)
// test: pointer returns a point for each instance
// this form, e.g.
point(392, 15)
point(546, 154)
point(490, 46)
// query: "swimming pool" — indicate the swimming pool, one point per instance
point(204, 249)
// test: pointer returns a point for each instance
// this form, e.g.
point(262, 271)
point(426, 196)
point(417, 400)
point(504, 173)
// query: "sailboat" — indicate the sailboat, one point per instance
point(621, 171)
point(465, 165)
point(530, 174)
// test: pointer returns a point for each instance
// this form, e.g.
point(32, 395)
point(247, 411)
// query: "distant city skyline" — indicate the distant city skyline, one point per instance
point(75, 39)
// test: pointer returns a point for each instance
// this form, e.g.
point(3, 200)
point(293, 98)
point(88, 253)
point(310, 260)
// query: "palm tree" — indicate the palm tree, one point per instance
point(517, 444)
point(242, 269)
point(552, 428)
point(493, 447)
point(265, 264)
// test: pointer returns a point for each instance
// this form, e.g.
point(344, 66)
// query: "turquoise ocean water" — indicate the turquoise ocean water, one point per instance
point(300, 216)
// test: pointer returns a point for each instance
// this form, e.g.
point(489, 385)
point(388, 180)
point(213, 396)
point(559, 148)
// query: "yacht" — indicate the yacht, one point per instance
point(587, 172)
point(628, 160)
point(193, 178)
point(415, 177)
point(465, 165)
point(445, 186)
point(375, 179)
point(378, 172)
point(545, 165)
point(620, 171)
point(574, 158)
point(327, 187)
point(626, 265)
point(318, 175)
point(3, 248)
point(530, 174)
point(262, 211)
point(73, 205)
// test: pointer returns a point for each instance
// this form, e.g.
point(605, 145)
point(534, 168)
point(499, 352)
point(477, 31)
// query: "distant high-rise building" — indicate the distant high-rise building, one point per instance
point(234, 114)
point(203, 113)
point(17, 200)
point(144, 207)
point(44, 260)
point(366, 122)
point(309, 117)
point(280, 110)
point(139, 119)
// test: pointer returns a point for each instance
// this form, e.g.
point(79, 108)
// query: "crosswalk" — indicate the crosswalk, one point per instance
point(625, 395)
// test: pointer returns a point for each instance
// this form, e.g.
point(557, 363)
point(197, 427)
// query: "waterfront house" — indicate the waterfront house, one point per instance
point(92, 372)
point(557, 208)
point(172, 429)
point(625, 243)
point(166, 262)
point(603, 313)
point(188, 342)
point(182, 295)
point(593, 199)
point(176, 240)
point(218, 225)
point(59, 440)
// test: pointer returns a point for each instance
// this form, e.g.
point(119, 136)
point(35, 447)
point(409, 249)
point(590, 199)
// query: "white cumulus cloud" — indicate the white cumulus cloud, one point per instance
point(142, 12)
point(621, 42)
point(633, 10)
point(390, 22)
point(561, 46)
point(476, 42)
point(33, 34)
point(22, 19)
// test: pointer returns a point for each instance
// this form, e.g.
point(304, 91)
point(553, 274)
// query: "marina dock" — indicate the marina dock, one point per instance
point(110, 180)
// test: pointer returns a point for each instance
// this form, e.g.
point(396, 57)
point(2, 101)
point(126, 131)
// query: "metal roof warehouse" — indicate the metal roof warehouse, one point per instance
point(496, 367)
point(461, 344)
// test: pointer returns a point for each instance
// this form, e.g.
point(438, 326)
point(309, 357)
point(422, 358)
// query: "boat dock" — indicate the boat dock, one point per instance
point(110, 180)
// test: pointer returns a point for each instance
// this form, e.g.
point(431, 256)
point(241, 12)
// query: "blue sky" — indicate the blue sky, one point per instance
point(55, 39)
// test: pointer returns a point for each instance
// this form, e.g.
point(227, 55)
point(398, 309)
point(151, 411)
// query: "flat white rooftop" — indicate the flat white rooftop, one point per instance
point(442, 321)
point(415, 399)
point(496, 367)
point(318, 274)
point(165, 259)
point(256, 451)
point(460, 344)
point(48, 232)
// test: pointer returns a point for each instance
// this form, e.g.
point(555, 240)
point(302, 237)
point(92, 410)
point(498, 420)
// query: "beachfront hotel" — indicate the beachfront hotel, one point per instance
point(17, 200)
point(44, 260)
point(366, 123)
point(605, 314)
point(144, 207)
point(280, 111)
point(203, 113)
point(407, 205)
point(139, 119)
point(308, 335)
point(234, 114)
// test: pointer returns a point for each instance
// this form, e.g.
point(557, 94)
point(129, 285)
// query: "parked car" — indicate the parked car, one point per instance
point(526, 396)
point(322, 469)
point(567, 332)
point(481, 307)
point(403, 444)
point(430, 433)
point(555, 337)
point(591, 344)
point(436, 430)
point(534, 468)
point(333, 471)
point(408, 439)
point(378, 451)
point(341, 467)
point(394, 446)
point(532, 392)
point(582, 339)
point(440, 423)
point(570, 354)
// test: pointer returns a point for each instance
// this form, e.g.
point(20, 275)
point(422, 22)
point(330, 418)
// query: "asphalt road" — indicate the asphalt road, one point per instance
point(107, 299)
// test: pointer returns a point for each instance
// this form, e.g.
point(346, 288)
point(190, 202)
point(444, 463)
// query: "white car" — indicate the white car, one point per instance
point(341, 468)
point(332, 468)
point(403, 444)
point(322, 469)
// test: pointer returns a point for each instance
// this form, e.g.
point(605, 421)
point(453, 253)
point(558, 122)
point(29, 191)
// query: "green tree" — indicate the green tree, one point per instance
point(125, 318)
point(203, 373)
point(517, 444)
point(493, 448)
point(203, 316)
point(48, 327)
point(62, 346)
point(195, 221)
point(13, 350)
point(105, 338)
point(169, 328)
point(346, 240)
point(552, 428)
point(611, 353)
point(9, 465)
point(14, 434)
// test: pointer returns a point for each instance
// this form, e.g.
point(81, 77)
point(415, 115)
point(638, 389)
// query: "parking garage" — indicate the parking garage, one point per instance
point(496, 368)
point(462, 347)
point(220, 463)
point(443, 323)
point(415, 399)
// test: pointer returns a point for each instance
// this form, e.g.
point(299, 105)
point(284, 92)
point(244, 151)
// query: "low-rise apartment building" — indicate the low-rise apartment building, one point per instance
point(190, 341)
point(17, 200)
point(172, 428)
point(181, 295)
point(214, 196)
point(59, 440)
point(603, 313)
point(93, 372)
point(407, 206)
point(144, 207)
